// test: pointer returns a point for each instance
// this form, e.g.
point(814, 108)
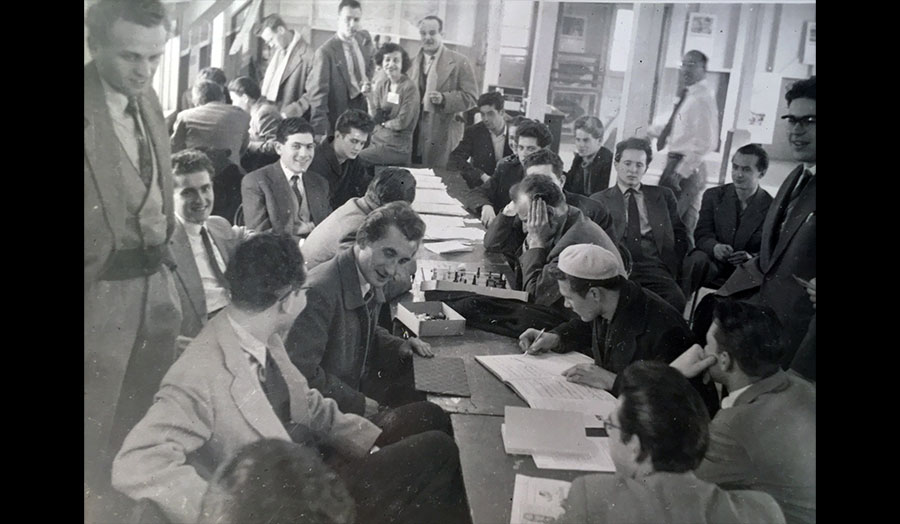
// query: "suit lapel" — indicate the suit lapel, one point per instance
point(338, 55)
point(775, 211)
point(726, 216)
point(445, 66)
point(804, 209)
point(294, 61)
point(223, 239)
point(248, 396)
point(751, 220)
point(615, 201)
point(656, 216)
point(99, 139)
point(186, 269)
point(151, 113)
point(296, 382)
point(282, 191)
point(778, 381)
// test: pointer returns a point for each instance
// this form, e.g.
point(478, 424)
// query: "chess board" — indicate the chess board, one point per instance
point(462, 277)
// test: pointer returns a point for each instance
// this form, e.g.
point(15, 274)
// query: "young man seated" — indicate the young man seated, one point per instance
point(658, 433)
point(483, 144)
point(592, 164)
point(764, 437)
point(534, 229)
point(336, 342)
point(277, 482)
point(235, 385)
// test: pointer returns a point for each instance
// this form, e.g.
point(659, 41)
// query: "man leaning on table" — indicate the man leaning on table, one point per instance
point(658, 434)
point(623, 322)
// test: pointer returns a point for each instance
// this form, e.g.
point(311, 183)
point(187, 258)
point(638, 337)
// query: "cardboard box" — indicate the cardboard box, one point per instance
point(454, 325)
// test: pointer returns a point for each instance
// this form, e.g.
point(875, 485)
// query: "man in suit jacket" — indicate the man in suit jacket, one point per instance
point(131, 308)
point(200, 262)
point(546, 225)
point(645, 221)
point(342, 71)
point(264, 120)
point(764, 437)
point(286, 196)
point(590, 169)
point(779, 276)
point(288, 70)
point(337, 159)
point(729, 231)
point(235, 385)
point(654, 456)
point(447, 87)
point(335, 342)
point(213, 124)
point(623, 322)
point(483, 144)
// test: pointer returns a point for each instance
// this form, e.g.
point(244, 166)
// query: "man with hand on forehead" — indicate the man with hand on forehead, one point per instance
point(623, 322)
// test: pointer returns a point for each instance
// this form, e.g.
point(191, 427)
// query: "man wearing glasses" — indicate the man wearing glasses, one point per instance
point(658, 435)
point(783, 275)
point(691, 132)
point(285, 80)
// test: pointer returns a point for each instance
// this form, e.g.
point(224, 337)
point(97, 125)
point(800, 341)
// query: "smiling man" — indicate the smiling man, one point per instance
point(729, 231)
point(287, 196)
point(336, 342)
point(131, 308)
point(337, 159)
point(202, 244)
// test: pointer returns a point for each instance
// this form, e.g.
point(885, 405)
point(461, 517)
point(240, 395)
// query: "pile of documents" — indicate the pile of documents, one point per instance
point(538, 500)
point(443, 215)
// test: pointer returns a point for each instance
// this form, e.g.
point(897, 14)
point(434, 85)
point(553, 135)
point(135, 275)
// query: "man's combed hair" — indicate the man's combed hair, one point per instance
point(398, 214)
point(582, 285)
point(390, 47)
point(802, 89)
point(263, 269)
point(702, 58)
point(590, 125)
point(640, 144)
point(493, 99)
point(762, 158)
point(436, 19)
point(535, 129)
point(292, 126)
point(191, 161)
point(540, 186)
point(352, 4)
point(102, 15)
point(392, 184)
point(661, 407)
point(544, 157)
point(244, 85)
point(208, 91)
point(272, 22)
point(354, 119)
point(276, 482)
point(751, 335)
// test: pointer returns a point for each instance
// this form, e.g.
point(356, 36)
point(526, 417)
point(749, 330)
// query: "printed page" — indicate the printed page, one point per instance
point(451, 246)
point(438, 221)
point(454, 233)
point(420, 171)
point(592, 408)
point(532, 366)
point(538, 500)
point(429, 182)
point(434, 196)
point(453, 210)
point(598, 460)
point(556, 387)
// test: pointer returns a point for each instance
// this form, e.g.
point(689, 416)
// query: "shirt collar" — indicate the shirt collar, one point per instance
point(364, 285)
point(115, 101)
point(590, 158)
point(250, 344)
point(732, 397)
point(288, 173)
point(624, 189)
point(702, 85)
point(435, 56)
point(190, 228)
point(502, 133)
point(810, 167)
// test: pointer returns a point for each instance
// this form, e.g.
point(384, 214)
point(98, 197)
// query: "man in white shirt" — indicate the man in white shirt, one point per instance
point(691, 132)
point(764, 437)
point(201, 245)
point(288, 69)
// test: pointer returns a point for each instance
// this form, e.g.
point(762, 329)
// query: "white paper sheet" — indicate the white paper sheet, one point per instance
point(519, 366)
point(451, 246)
point(556, 387)
point(598, 460)
point(592, 408)
point(421, 171)
point(435, 196)
point(538, 500)
point(429, 182)
point(453, 210)
point(438, 221)
point(454, 233)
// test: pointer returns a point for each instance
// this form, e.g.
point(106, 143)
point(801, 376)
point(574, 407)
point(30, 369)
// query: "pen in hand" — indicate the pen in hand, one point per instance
point(535, 341)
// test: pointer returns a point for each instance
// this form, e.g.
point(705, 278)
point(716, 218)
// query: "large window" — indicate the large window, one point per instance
point(165, 82)
point(618, 52)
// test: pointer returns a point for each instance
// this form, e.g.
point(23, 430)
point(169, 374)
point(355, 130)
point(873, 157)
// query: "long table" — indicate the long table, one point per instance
point(488, 472)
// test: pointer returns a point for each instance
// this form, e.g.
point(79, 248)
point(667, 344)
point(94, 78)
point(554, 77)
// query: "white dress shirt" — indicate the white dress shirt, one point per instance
point(123, 124)
point(255, 349)
point(695, 130)
point(732, 397)
point(304, 206)
point(216, 295)
point(499, 140)
point(275, 69)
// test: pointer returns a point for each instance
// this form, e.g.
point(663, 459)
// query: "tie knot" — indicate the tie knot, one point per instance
point(133, 105)
point(631, 191)
point(295, 179)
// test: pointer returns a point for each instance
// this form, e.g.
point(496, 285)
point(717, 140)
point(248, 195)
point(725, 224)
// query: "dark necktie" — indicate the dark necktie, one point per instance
point(801, 184)
point(633, 228)
point(276, 390)
point(664, 136)
point(295, 181)
point(145, 160)
point(211, 254)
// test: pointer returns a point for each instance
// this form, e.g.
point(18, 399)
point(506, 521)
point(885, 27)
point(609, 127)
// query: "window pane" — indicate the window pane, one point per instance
point(618, 56)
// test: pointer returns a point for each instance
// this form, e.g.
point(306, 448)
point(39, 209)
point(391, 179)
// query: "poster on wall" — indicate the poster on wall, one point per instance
point(809, 44)
point(763, 106)
point(700, 34)
point(571, 34)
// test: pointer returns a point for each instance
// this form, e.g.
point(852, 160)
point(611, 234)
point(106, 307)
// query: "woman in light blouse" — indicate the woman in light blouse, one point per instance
point(394, 104)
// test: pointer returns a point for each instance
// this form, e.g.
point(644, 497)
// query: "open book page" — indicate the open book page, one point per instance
point(593, 407)
point(556, 387)
point(508, 367)
point(598, 460)
point(538, 500)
